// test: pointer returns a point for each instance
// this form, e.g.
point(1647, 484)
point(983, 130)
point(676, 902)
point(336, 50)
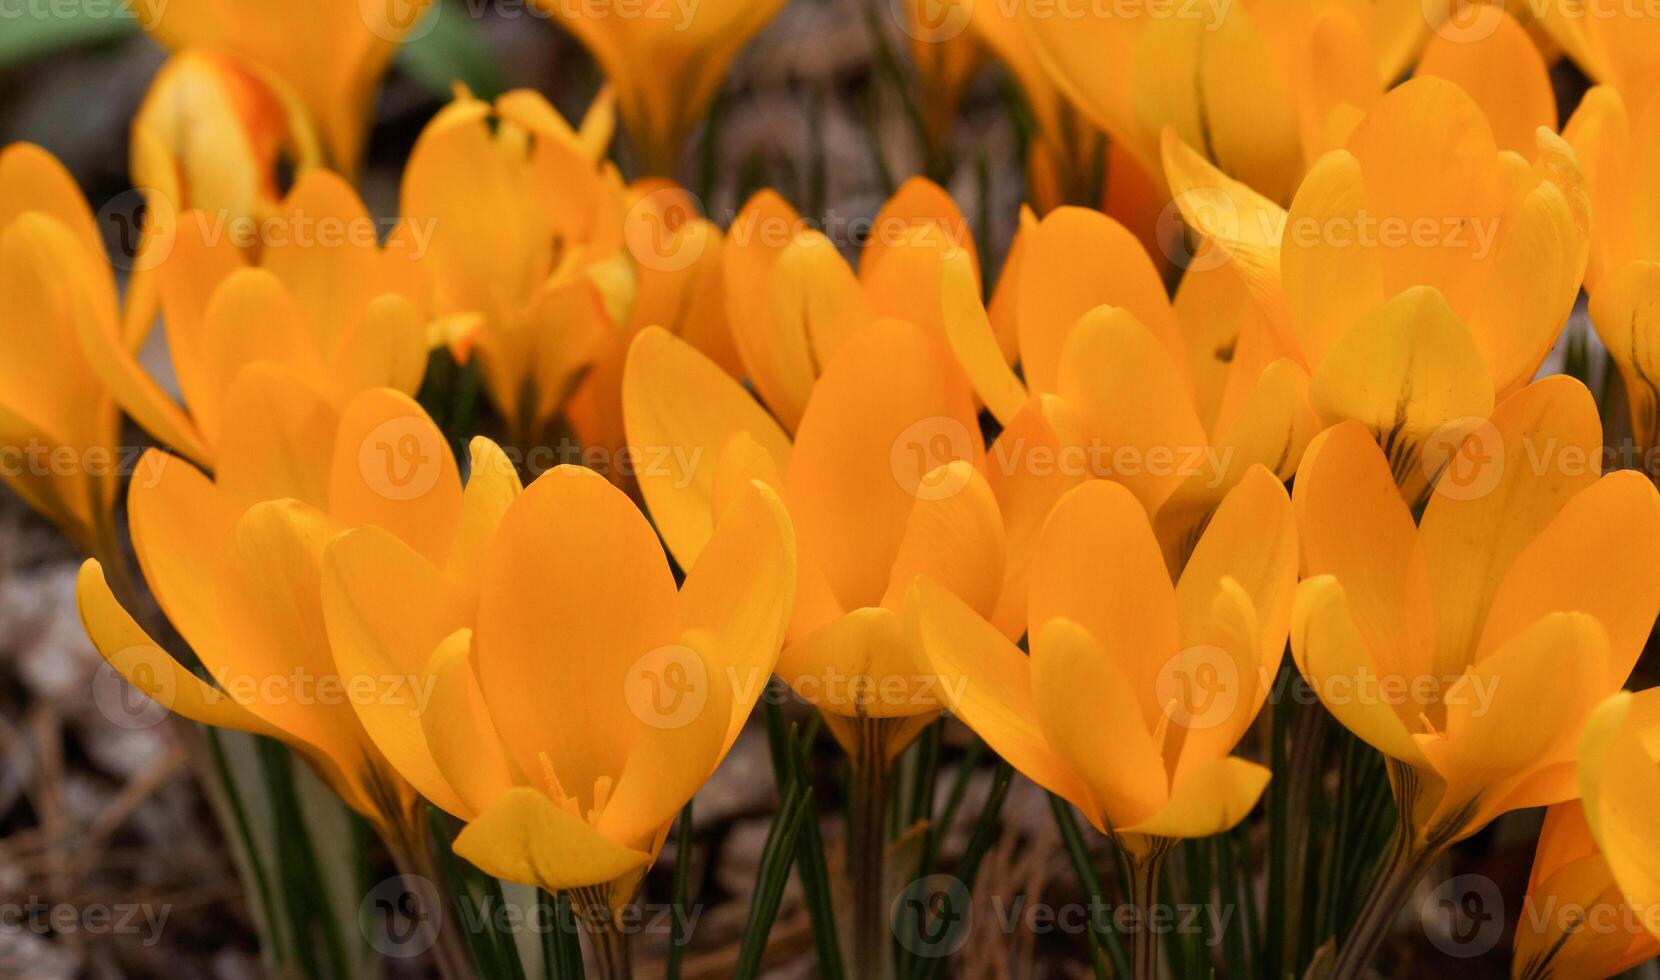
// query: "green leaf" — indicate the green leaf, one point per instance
point(450, 49)
point(46, 29)
point(1109, 943)
point(682, 884)
point(777, 857)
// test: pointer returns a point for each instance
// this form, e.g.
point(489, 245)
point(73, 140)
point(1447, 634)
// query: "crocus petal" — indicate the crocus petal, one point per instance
point(1534, 271)
point(492, 486)
point(1378, 562)
point(459, 732)
point(1625, 307)
point(1252, 540)
point(1621, 786)
point(524, 837)
point(1337, 661)
point(860, 665)
point(1061, 280)
point(1243, 224)
point(1212, 799)
point(151, 669)
point(572, 550)
point(954, 535)
point(1566, 567)
point(1098, 565)
point(1033, 463)
point(675, 752)
point(739, 593)
point(814, 303)
point(386, 348)
point(277, 439)
point(680, 410)
point(1089, 710)
point(884, 416)
point(986, 681)
point(139, 395)
point(1533, 458)
point(1271, 430)
point(386, 608)
point(968, 328)
point(251, 317)
point(1134, 400)
point(1332, 278)
point(180, 522)
point(334, 270)
point(393, 468)
point(1511, 709)
point(1408, 370)
point(1502, 70)
point(759, 235)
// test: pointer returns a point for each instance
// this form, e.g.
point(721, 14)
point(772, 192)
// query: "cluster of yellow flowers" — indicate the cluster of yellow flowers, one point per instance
point(1104, 590)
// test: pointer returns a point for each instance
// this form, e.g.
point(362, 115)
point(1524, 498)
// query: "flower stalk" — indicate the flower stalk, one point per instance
point(1146, 866)
point(868, 844)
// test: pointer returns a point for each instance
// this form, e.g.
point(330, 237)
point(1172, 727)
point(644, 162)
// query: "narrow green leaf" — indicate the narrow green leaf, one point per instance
point(777, 858)
point(1109, 942)
point(682, 885)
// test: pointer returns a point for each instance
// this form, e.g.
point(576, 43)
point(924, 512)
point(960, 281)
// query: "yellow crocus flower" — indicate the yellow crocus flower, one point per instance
point(1140, 682)
point(58, 426)
point(1470, 647)
point(526, 224)
point(666, 61)
point(1619, 778)
point(323, 54)
point(568, 752)
point(883, 480)
point(320, 298)
point(210, 135)
point(237, 565)
point(887, 455)
point(792, 299)
point(1620, 150)
point(1576, 922)
point(1422, 272)
point(1175, 401)
point(1251, 83)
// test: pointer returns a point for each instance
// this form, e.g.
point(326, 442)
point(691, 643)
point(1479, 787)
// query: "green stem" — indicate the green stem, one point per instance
point(605, 934)
point(1145, 872)
point(869, 845)
point(1407, 862)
